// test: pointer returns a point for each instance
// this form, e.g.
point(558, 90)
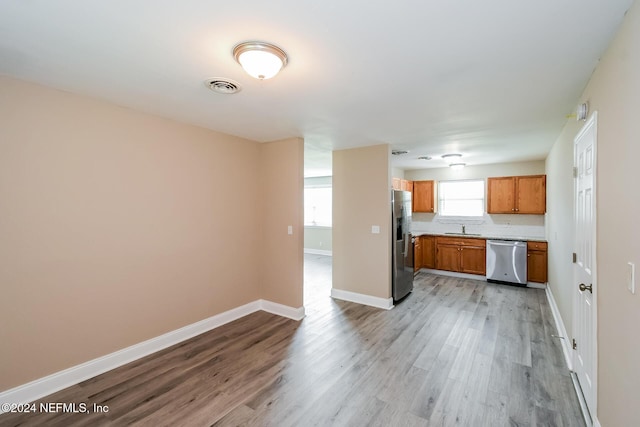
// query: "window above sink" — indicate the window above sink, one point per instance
point(461, 198)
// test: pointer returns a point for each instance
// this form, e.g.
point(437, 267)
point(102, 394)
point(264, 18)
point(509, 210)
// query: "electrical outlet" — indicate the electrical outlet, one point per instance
point(290, 229)
point(375, 229)
point(631, 277)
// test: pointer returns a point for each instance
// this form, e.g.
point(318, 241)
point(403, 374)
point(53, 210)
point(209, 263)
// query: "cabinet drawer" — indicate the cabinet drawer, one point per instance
point(461, 241)
point(537, 246)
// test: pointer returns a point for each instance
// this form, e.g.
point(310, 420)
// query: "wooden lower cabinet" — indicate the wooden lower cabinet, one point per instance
point(473, 260)
point(428, 244)
point(461, 255)
point(537, 262)
point(468, 255)
point(447, 257)
point(424, 252)
point(417, 253)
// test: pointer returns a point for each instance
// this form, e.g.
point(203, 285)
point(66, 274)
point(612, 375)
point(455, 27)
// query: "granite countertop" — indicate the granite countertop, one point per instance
point(481, 236)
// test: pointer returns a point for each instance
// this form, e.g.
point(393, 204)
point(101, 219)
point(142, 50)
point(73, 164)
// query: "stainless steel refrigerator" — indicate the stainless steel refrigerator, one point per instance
point(402, 250)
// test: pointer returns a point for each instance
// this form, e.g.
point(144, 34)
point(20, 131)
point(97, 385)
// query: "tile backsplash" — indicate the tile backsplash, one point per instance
point(530, 226)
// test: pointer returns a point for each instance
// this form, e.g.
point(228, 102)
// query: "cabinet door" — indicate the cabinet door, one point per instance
point(428, 251)
point(406, 185)
point(396, 183)
point(537, 262)
point(501, 195)
point(531, 194)
point(417, 254)
point(473, 260)
point(423, 196)
point(448, 257)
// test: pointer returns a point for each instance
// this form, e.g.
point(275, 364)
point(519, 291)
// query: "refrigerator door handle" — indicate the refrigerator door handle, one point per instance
point(406, 246)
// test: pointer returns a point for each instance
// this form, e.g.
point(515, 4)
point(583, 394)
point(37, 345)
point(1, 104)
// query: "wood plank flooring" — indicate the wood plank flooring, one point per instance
point(456, 352)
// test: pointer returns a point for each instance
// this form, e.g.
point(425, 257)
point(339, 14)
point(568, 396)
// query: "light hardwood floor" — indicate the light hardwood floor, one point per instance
point(455, 352)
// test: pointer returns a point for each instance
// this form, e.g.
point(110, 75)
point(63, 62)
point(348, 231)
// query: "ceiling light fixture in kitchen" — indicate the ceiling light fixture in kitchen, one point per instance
point(457, 166)
point(424, 158)
point(259, 59)
point(452, 158)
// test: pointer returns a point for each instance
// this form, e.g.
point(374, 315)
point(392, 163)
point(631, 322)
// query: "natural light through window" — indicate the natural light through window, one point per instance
point(461, 198)
point(317, 206)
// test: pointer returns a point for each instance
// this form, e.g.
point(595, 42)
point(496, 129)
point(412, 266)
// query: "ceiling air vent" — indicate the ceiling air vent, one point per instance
point(225, 86)
point(398, 152)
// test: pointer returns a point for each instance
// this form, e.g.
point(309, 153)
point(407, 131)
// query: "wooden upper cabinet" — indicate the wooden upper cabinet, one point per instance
point(396, 183)
point(517, 195)
point(531, 194)
point(424, 196)
point(501, 195)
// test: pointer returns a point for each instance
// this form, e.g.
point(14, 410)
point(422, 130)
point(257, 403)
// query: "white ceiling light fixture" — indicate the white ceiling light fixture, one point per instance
point(457, 166)
point(452, 158)
point(259, 59)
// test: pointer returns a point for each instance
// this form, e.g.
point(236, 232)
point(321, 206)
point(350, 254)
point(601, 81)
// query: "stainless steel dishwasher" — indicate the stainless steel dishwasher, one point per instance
point(507, 262)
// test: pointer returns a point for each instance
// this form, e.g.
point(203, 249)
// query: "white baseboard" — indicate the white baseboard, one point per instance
point(454, 274)
point(384, 303)
point(60, 380)
point(566, 348)
point(282, 310)
point(318, 252)
point(535, 285)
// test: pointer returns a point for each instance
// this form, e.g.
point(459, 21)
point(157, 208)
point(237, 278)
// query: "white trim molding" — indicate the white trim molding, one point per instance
point(384, 303)
point(454, 274)
point(45, 386)
point(317, 252)
point(566, 347)
point(282, 310)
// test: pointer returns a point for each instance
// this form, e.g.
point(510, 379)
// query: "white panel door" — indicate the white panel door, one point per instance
point(584, 306)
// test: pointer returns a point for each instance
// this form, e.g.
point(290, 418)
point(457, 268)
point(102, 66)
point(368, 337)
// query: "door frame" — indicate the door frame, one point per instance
point(591, 122)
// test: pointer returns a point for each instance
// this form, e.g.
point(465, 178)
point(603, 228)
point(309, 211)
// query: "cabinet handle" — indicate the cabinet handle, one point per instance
point(517, 210)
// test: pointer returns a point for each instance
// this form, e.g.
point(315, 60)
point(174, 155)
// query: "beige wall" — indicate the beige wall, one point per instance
point(117, 226)
point(614, 91)
point(281, 179)
point(560, 229)
point(361, 198)
point(477, 172)
point(318, 238)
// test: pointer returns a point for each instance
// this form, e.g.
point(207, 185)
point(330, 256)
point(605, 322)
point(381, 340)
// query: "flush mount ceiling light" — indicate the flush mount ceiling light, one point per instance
point(260, 60)
point(398, 152)
point(424, 158)
point(457, 166)
point(452, 158)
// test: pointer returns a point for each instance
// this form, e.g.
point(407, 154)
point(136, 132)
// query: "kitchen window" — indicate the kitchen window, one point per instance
point(317, 206)
point(461, 198)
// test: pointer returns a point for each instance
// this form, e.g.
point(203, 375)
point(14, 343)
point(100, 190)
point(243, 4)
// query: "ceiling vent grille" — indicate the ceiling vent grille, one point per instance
point(224, 86)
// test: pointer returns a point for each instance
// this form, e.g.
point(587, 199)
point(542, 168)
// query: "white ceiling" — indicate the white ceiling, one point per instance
point(493, 79)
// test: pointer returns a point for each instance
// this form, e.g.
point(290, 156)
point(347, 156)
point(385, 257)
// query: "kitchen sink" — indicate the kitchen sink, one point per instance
point(462, 234)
